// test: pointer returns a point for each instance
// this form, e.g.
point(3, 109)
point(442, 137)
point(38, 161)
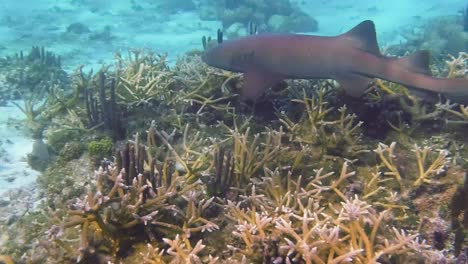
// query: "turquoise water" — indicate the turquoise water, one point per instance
point(174, 30)
point(86, 83)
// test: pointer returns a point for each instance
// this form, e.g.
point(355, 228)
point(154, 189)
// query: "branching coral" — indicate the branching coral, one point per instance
point(191, 160)
point(208, 91)
point(133, 199)
point(456, 66)
point(33, 107)
point(180, 250)
point(320, 128)
point(428, 165)
point(253, 153)
point(294, 189)
point(386, 155)
point(461, 115)
point(183, 252)
point(417, 109)
point(143, 78)
point(313, 227)
point(108, 219)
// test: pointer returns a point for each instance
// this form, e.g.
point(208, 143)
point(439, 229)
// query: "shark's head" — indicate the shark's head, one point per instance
point(232, 55)
point(217, 57)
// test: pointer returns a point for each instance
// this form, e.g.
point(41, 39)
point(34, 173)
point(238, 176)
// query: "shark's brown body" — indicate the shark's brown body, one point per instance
point(352, 59)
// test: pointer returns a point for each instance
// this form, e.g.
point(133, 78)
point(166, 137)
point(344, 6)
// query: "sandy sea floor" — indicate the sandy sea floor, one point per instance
point(14, 147)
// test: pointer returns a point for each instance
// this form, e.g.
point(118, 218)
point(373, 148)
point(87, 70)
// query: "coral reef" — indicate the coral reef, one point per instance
point(199, 176)
point(31, 75)
point(32, 78)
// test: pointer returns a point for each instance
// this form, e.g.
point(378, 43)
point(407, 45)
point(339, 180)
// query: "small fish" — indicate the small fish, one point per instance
point(352, 59)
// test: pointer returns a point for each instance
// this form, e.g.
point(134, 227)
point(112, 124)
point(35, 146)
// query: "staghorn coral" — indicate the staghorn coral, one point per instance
point(132, 199)
point(143, 207)
point(386, 155)
point(183, 252)
point(252, 154)
point(427, 163)
point(205, 86)
point(143, 78)
point(208, 182)
point(429, 166)
point(321, 128)
point(413, 109)
point(33, 108)
point(456, 66)
point(461, 116)
point(311, 227)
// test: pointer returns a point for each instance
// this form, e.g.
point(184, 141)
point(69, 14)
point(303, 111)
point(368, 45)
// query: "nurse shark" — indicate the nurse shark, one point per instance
point(352, 59)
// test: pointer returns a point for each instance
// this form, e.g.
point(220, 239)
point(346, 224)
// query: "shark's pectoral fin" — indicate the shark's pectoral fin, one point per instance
point(256, 81)
point(354, 85)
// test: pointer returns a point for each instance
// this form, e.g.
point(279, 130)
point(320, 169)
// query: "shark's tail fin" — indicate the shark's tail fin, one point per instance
point(416, 62)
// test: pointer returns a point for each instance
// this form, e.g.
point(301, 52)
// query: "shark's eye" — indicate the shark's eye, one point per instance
point(249, 56)
point(242, 58)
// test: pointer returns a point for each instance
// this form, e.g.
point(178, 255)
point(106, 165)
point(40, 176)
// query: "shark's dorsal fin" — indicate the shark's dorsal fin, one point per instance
point(364, 37)
point(417, 62)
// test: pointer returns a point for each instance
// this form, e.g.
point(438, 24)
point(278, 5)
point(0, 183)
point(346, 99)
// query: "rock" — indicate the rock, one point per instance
point(4, 202)
point(104, 35)
point(78, 28)
point(296, 22)
point(39, 157)
point(10, 179)
point(40, 150)
point(208, 12)
point(174, 6)
point(242, 14)
point(277, 23)
point(11, 219)
point(236, 30)
point(302, 22)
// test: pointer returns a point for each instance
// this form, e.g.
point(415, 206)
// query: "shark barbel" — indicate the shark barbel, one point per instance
point(352, 59)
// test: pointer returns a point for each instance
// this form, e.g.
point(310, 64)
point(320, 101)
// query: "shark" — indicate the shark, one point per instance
point(353, 59)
